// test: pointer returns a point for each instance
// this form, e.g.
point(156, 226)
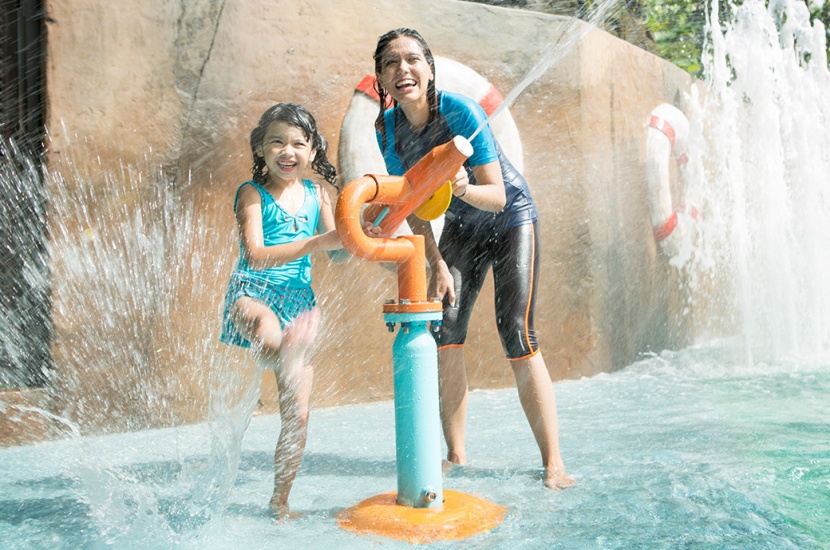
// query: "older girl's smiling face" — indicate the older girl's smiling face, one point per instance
point(404, 71)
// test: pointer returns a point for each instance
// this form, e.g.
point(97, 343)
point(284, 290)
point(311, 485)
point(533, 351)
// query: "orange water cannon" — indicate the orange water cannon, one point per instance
point(425, 190)
point(420, 510)
point(427, 187)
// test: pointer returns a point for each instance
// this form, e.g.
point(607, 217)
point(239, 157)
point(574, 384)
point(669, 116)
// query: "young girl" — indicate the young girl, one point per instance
point(491, 222)
point(270, 306)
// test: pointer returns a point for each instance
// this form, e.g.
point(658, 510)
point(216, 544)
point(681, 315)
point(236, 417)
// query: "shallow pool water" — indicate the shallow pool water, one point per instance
point(708, 447)
point(686, 449)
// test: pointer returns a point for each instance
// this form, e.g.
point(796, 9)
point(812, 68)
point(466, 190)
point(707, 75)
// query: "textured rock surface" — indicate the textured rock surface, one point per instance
point(177, 87)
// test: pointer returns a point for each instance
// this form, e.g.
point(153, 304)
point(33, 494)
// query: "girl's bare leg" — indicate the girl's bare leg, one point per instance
point(259, 324)
point(452, 388)
point(539, 403)
point(294, 379)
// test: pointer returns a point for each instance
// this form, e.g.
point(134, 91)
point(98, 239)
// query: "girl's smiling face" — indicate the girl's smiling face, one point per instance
point(404, 71)
point(286, 151)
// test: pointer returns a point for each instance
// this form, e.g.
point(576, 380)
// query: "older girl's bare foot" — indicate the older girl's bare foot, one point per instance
point(459, 459)
point(556, 478)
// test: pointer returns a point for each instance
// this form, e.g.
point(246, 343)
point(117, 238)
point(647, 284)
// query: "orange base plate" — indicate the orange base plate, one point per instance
point(460, 517)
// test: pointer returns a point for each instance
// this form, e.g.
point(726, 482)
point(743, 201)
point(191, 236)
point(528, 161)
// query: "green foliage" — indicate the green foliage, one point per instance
point(673, 29)
point(677, 27)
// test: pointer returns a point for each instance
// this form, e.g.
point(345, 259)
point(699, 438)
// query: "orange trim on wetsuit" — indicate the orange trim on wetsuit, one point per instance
point(452, 346)
point(448, 346)
point(532, 270)
point(528, 356)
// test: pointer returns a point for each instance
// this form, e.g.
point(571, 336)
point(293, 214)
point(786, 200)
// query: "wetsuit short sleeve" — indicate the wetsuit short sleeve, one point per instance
point(394, 164)
point(464, 116)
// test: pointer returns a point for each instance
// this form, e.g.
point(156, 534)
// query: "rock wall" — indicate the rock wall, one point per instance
point(150, 105)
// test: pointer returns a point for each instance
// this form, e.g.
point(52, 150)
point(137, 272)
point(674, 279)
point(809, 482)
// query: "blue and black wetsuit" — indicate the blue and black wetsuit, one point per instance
point(472, 239)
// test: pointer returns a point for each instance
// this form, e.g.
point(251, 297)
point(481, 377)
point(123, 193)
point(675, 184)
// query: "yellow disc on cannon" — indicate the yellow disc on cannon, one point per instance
point(437, 204)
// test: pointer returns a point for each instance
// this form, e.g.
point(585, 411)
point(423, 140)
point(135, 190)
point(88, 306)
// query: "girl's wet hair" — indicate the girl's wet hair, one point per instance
point(298, 116)
point(432, 96)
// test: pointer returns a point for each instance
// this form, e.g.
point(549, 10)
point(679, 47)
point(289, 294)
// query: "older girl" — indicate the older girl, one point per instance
point(491, 222)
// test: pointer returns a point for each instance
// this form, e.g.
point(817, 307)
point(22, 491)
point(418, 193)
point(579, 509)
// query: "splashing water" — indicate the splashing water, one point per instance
point(130, 258)
point(23, 338)
point(572, 33)
point(760, 138)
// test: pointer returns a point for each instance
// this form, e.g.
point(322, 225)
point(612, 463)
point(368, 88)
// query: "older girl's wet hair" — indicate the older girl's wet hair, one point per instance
point(298, 116)
point(432, 96)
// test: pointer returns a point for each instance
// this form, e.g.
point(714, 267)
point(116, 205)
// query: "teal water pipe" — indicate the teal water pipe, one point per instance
point(415, 354)
point(417, 417)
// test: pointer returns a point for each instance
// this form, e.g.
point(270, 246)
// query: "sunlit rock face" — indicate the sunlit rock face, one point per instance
point(150, 108)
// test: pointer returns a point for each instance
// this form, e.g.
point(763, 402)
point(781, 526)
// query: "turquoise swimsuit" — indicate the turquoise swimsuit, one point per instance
point(285, 288)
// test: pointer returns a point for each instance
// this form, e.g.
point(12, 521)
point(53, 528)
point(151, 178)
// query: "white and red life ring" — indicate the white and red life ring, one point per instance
point(358, 153)
point(667, 139)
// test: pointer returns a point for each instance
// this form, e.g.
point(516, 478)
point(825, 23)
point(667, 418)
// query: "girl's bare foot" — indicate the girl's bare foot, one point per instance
point(282, 514)
point(556, 478)
point(459, 459)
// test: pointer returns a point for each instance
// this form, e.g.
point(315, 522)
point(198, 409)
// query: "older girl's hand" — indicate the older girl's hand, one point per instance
point(460, 183)
point(441, 282)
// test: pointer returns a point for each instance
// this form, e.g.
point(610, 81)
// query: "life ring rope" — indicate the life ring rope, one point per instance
point(662, 231)
point(661, 124)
